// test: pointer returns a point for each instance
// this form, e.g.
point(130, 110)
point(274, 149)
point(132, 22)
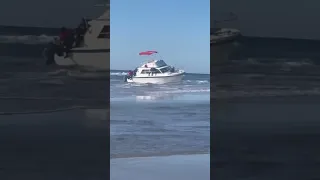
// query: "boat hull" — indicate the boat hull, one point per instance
point(92, 60)
point(157, 80)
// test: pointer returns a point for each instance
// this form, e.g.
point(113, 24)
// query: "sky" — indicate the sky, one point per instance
point(178, 30)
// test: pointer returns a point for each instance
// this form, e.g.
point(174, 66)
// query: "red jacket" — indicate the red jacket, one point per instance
point(64, 35)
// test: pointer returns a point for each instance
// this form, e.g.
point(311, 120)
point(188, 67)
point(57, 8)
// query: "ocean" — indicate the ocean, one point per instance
point(265, 117)
point(158, 120)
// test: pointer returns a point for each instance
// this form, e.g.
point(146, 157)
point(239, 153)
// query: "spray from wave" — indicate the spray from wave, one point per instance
point(118, 73)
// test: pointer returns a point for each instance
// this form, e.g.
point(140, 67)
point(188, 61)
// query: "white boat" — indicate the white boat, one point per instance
point(296, 21)
point(223, 35)
point(154, 72)
point(94, 50)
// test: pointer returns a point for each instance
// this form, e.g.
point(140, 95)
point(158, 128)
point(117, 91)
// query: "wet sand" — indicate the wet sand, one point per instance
point(62, 145)
point(186, 167)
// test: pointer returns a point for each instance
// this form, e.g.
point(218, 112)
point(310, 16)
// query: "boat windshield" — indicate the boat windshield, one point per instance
point(166, 69)
point(160, 63)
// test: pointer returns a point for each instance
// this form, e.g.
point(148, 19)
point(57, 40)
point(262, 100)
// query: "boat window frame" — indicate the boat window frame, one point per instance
point(145, 70)
point(160, 63)
point(105, 32)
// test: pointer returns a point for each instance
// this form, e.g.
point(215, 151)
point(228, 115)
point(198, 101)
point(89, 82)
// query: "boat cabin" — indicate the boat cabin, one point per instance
point(153, 67)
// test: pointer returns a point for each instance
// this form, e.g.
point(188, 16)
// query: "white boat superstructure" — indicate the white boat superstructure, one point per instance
point(289, 19)
point(154, 72)
point(223, 35)
point(94, 50)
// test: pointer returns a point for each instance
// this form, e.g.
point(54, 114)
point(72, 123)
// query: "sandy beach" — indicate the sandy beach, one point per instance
point(186, 167)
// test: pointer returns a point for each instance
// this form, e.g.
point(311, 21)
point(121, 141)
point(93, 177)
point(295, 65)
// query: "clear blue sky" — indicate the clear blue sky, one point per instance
point(178, 29)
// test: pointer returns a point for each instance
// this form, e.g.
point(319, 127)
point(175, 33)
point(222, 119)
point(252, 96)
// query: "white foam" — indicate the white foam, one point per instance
point(196, 81)
point(180, 91)
point(266, 93)
point(202, 82)
point(118, 73)
point(297, 64)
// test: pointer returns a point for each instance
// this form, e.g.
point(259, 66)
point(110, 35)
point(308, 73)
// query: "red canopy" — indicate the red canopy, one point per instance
point(147, 53)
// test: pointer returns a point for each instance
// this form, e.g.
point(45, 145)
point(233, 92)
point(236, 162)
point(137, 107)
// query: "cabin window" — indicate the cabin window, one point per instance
point(166, 69)
point(105, 33)
point(145, 72)
point(161, 63)
point(154, 70)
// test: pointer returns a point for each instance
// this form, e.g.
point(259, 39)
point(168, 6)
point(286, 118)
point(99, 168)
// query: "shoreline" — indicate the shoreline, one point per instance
point(287, 99)
point(187, 167)
point(159, 155)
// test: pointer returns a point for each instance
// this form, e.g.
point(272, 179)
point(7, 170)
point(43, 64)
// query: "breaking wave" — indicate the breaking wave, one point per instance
point(118, 73)
point(25, 39)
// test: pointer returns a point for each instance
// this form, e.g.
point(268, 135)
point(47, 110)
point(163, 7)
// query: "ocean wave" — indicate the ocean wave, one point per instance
point(170, 87)
point(88, 75)
point(275, 61)
point(196, 81)
point(118, 73)
point(300, 63)
point(202, 82)
point(180, 91)
point(184, 81)
point(263, 93)
point(26, 39)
